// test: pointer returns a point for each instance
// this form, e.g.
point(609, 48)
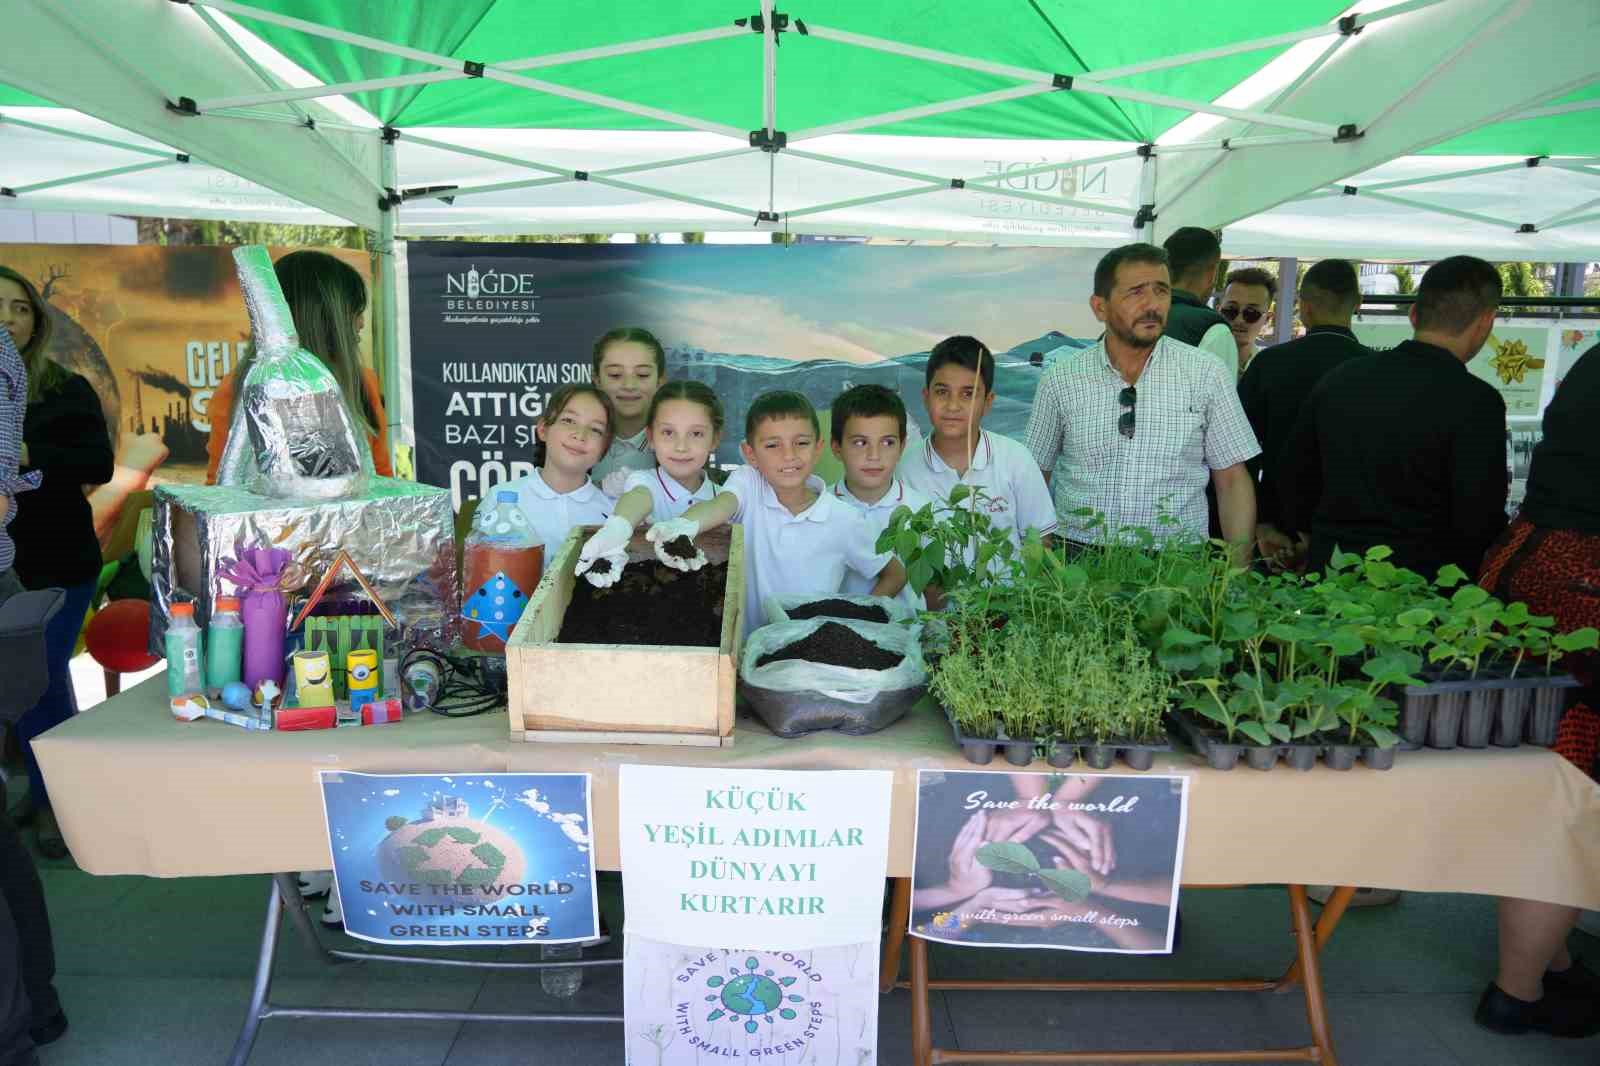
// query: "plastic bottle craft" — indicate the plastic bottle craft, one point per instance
point(293, 435)
point(502, 562)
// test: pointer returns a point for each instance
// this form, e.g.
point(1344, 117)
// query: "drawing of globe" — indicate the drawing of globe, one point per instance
point(751, 994)
point(454, 851)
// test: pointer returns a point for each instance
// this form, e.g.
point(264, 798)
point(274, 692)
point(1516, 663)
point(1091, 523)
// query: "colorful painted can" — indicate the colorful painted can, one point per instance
point(313, 679)
point(381, 712)
point(361, 676)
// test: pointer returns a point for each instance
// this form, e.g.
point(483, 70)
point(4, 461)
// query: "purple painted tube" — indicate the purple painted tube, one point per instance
point(258, 573)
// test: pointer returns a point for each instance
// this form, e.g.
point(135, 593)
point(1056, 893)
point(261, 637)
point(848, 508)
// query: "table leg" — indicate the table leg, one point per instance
point(295, 905)
point(895, 937)
point(1332, 911)
point(1311, 969)
point(921, 1009)
point(263, 982)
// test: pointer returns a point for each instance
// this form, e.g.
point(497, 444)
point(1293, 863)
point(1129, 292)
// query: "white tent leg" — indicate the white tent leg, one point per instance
point(388, 302)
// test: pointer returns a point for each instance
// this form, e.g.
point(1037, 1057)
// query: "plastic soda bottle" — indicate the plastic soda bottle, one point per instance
point(184, 654)
point(224, 644)
point(501, 563)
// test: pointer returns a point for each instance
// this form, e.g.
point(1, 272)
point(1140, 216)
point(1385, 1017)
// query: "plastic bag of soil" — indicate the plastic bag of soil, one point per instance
point(879, 609)
point(784, 679)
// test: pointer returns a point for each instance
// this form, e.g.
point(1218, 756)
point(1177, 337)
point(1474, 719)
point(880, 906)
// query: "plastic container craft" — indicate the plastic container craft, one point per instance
point(224, 645)
point(185, 654)
point(502, 561)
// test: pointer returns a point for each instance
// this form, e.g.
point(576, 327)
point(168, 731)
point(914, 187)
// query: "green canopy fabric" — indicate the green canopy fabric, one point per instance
point(1574, 133)
point(820, 81)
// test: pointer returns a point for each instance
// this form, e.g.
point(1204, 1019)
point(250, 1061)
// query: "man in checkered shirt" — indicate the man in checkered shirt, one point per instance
point(1133, 427)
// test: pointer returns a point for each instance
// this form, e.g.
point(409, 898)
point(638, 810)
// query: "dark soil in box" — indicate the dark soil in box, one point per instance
point(835, 645)
point(652, 604)
point(861, 612)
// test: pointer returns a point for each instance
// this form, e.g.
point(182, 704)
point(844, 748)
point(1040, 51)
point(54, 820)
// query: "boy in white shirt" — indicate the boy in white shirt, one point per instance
point(799, 539)
point(629, 366)
point(959, 392)
point(869, 434)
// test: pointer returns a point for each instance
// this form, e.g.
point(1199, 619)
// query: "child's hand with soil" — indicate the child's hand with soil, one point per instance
point(603, 555)
point(675, 546)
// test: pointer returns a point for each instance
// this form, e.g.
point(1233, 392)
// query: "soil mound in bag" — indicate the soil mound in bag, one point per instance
point(794, 693)
point(879, 609)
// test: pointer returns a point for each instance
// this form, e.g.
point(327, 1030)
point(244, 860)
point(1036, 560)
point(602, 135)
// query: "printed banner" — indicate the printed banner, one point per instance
point(462, 858)
point(1081, 862)
point(155, 329)
point(688, 1006)
point(496, 328)
point(776, 859)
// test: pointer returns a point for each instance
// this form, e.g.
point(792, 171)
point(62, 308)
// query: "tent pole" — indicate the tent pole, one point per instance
point(388, 295)
point(1147, 196)
point(10, 120)
point(493, 73)
point(1573, 221)
point(1568, 213)
point(922, 111)
point(1260, 118)
point(1452, 212)
point(312, 92)
point(1554, 109)
point(1521, 164)
point(568, 176)
point(769, 98)
point(280, 119)
point(78, 179)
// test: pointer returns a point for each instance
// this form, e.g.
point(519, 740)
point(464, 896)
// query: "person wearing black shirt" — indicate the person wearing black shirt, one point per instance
point(1277, 382)
point(1406, 447)
point(65, 440)
point(1193, 255)
point(1549, 558)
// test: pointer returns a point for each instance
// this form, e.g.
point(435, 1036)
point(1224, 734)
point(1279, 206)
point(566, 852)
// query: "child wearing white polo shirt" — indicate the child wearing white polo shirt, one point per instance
point(799, 539)
point(573, 433)
point(869, 434)
point(959, 392)
point(629, 365)
point(683, 429)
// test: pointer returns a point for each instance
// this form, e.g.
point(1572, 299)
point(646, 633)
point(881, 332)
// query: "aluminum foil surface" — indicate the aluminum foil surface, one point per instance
point(401, 535)
point(292, 435)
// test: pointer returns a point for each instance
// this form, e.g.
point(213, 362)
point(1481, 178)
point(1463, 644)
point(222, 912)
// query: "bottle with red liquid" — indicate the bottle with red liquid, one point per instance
point(501, 564)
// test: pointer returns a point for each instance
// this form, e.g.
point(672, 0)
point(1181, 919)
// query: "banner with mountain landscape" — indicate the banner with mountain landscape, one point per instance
point(496, 328)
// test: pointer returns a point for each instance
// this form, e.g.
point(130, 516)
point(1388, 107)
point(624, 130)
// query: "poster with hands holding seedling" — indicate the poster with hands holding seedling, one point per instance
point(1080, 862)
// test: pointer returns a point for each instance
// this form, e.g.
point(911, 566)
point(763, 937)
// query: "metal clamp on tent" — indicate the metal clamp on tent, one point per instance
point(1147, 213)
point(776, 141)
point(472, 69)
point(958, 183)
point(184, 106)
point(181, 157)
point(780, 23)
point(10, 193)
point(1061, 81)
point(389, 199)
point(390, 135)
point(1535, 160)
point(1348, 132)
point(1527, 227)
point(1145, 151)
point(1350, 25)
point(766, 216)
point(429, 192)
point(1350, 190)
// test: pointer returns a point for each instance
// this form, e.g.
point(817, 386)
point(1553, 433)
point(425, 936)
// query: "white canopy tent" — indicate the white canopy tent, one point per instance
point(1331, 103)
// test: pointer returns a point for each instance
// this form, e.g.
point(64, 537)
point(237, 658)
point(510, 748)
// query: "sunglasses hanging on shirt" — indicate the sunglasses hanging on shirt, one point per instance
point(1251, 315)
point(1128, 397)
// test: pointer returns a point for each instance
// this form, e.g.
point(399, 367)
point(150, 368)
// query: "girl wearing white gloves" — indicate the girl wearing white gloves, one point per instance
point(682, 429)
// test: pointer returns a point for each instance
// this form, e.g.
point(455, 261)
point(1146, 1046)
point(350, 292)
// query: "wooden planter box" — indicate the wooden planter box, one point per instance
point(623, 693)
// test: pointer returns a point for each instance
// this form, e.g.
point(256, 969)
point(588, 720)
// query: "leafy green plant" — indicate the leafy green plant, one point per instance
point(1009, 857)
point(951, 544)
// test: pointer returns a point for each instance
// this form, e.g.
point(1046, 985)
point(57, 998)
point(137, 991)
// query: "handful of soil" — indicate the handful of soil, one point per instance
point(861, 612)
point(680, 548)
point(601, 565)
point(835, 645)
point(652, 604)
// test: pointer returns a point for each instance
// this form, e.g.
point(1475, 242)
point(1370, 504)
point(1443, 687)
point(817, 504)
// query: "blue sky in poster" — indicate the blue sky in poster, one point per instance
point(462, 858)
point(842, 301)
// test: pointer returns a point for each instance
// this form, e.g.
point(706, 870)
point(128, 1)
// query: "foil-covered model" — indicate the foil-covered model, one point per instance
point(293, 435)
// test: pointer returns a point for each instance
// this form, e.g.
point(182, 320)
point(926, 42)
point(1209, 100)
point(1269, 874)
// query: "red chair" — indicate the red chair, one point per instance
point(118, 637)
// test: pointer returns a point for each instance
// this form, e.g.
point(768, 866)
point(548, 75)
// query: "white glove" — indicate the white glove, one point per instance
point(610, 542)
point(663, 533)
point(615, 483)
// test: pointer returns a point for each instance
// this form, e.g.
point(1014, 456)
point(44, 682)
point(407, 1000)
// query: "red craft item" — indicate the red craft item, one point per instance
point(297, 718)
point(381, 712)
point(118, 637)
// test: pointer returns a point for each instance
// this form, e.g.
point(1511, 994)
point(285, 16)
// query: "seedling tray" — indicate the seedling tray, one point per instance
point(1062, 753)
point(1478, 712)
point(1301, 755)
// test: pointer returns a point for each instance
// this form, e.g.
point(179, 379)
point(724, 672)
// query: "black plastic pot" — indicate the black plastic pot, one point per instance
point(1544, 717)
point(1379, 758)
point(1477, 718)
point(1340, 756)
point(1139, 758)
point(1019, 752)
point(1223, 756)
point(1261, 757)
point(977, 752)
point(1415, 710)
point(1509, 722)
point(1062, 755)
point(1100, 756)
point(1444, 725)
point(1301, 756)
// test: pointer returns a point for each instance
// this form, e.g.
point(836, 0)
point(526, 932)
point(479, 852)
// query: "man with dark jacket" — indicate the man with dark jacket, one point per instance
point(1407, 447)
point(1276, 383)
point(1193, 255)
